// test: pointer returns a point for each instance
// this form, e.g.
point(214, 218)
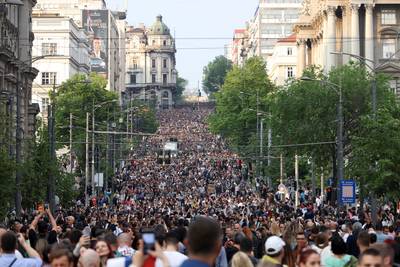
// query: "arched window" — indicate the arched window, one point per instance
point(165, 94)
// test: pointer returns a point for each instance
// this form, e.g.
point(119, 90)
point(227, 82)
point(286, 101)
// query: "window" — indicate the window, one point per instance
point(153, 78)
point(133, 78)
point(153, 63)
point(134, 64)
point(164, 63)
point(49, 49)
point(388, 47)
point(289, 51)
point(49, 78)
point(290, 73)
point(164, 79)
point(165, 43)
point(154, 42)
point(395, 86)
point(45, 104)
point(388, 16)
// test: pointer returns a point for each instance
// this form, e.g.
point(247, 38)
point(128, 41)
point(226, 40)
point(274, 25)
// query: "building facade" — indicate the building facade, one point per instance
point(281, 65)
point(150, 64)
point(366, 28)
point(18, 114)
point(273, 20)
point(105, 34)
point(238, 45)
point(68, 46)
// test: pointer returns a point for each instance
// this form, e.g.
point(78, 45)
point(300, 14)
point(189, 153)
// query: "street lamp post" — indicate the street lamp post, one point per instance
point(339, 139)
point(94, 108)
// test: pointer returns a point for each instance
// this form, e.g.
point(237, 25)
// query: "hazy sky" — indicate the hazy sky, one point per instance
point(213, 20)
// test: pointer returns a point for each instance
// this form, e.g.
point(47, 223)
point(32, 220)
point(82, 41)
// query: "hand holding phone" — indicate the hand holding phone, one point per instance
point(149, 240)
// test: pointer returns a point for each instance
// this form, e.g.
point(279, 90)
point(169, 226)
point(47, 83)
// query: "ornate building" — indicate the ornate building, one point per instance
point(367, 28)
point(150, 64)
point(16, 74)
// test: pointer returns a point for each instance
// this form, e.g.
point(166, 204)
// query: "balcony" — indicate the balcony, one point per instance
point(8, 38)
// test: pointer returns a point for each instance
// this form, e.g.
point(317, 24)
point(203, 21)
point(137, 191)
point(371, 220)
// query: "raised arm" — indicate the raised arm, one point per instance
point(52, 220)
point(35, 221)
point(31, 252)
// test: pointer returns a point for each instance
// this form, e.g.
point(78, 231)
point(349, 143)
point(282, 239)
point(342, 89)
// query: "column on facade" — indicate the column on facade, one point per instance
point(331, 37)
point(301, 57)
point(324, 43)
point(313, 50)
point(355, 30)
point(309, 55)
point(320, 49)
point(346, 44)
point(369, 34)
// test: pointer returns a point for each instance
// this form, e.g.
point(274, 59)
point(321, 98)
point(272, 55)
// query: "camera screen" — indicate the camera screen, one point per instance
point(149, 238)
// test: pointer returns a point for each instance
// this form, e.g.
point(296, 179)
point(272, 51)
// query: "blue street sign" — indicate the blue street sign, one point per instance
point(347, 191)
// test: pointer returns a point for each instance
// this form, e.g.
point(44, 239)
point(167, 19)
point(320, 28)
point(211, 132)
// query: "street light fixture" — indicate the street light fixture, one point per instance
point(339, 140)
point(94, 108)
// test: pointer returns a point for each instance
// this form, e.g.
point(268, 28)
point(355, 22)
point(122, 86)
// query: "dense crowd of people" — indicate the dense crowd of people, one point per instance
point(197, 208)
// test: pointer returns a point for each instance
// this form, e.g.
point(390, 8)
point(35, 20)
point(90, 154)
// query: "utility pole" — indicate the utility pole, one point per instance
point(322, 184)
point(258, 129)
point(281, 163)
point(313, 177)
point(18, 147)
point(296, 171)
point(70, 142)
point(87, 161)
point(374, 204)
point(261, 144)
point(93, 167)
point(340, 174)
point(269, 156)
point(51, 177)
point(107, 150)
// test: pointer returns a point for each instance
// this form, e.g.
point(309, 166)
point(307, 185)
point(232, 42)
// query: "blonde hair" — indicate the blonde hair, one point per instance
point(240, 259)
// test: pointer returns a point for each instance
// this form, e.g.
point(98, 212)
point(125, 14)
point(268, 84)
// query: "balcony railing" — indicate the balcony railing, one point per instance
point(8, 38)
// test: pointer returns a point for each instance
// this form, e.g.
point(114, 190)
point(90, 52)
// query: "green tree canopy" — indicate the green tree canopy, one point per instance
point(181, 84)
point(214, 74)
point(77, 97)
point(235, 117)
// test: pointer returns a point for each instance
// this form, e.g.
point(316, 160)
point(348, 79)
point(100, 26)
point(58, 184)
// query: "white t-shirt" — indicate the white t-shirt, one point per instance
point(325, 253)
point(175, 259)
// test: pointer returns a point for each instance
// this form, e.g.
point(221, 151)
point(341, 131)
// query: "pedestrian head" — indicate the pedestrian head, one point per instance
point(204, 238)
point(61, 257)
point(8, 242)
point(370, 258)
point(240, 259)
point(274, 247)
point(124, 239)
point(309, 258)
point(246, 245)
point(89, 258)
point(363, 239)
point(386, 251)
point(338, 246)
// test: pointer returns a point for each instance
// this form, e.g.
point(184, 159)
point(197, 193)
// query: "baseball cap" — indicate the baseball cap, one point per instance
point(274, 245)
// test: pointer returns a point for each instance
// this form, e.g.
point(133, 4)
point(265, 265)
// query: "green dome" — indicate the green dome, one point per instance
point(159, 27)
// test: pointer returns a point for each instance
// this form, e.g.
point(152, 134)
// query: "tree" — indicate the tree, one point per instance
point(235, 117)
point(306, 112)
point(181, 84)
point(214, 74)
point(77, 97)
